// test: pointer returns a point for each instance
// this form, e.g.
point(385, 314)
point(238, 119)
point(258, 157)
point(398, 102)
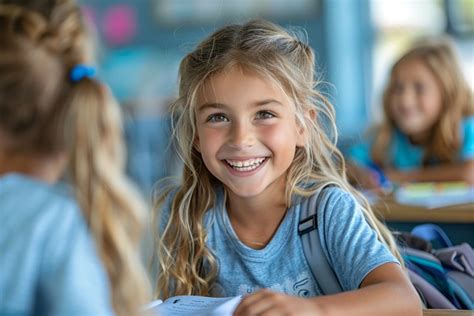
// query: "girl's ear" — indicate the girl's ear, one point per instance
point(302, 128)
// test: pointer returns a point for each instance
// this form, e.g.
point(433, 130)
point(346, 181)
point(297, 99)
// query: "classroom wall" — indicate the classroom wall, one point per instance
point(355, 43)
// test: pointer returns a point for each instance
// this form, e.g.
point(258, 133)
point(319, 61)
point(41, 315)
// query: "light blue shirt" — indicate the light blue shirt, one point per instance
point(352, 248)
point(48, 262)
point(404, 155)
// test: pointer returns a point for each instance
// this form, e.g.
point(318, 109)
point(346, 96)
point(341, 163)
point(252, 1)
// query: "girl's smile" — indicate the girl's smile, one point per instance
point(247, 167)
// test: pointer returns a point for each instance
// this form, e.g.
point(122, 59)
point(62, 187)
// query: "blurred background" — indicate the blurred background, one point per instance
point(140, 44)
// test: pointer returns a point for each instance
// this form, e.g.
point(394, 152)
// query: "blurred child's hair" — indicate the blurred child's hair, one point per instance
point(264, 49)
point(439, 56)
point(43, 112)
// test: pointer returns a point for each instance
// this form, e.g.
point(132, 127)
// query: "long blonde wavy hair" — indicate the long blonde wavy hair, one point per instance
point(439, 56)
point(42, 112)
point(186, 264)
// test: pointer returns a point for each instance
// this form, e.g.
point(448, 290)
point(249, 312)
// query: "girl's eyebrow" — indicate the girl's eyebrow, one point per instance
point(267, 101)
point(211, 105)
point(217, 105)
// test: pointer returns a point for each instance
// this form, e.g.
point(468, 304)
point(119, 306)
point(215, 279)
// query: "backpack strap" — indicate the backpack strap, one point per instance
point(308, 230)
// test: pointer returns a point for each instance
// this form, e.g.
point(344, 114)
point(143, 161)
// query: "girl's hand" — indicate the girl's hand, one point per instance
point(268, 303)
point(369, 179)
point(363, 177)
point(398, 176)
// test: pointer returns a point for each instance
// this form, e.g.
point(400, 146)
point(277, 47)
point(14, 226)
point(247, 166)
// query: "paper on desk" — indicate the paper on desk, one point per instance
point(435, 195)
point(194, 306)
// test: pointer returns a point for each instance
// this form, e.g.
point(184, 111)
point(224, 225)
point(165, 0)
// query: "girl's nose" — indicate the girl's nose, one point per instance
point(407, 98)
point(241, 135)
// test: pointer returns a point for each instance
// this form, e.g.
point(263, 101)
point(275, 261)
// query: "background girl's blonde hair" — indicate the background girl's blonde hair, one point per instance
point(42, 112)
point(439, 57)
point(186, 265)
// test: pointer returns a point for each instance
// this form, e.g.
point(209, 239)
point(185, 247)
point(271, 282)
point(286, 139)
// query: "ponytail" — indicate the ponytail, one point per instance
point(111, 206)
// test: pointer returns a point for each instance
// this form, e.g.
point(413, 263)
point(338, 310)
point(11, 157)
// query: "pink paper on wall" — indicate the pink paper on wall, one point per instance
point(119, 24)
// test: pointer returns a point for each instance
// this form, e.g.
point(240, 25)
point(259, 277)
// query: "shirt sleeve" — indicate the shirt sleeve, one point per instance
point(467, 151)
point(73, 281)
point(352, 245)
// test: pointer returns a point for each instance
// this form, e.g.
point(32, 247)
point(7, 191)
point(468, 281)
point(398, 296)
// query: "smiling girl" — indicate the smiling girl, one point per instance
point(428, 130)
point(249, 125)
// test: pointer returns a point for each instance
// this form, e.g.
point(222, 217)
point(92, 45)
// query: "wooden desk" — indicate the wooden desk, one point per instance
point(390, 211)
point(446, 312)
point(457, 221)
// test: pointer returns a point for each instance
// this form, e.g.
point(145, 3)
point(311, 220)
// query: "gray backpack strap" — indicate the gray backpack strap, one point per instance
point(308, 229)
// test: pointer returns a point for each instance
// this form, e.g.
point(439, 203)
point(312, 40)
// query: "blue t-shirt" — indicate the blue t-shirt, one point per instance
point(406, 156)
point(48, 261)
point(352, 246)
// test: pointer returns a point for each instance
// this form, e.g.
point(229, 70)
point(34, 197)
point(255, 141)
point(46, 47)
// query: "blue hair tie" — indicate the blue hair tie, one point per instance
point(81, 71)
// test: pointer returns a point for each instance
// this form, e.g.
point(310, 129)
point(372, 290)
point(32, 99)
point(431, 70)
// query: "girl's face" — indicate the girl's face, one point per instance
point(247, 132)
point(416, 99)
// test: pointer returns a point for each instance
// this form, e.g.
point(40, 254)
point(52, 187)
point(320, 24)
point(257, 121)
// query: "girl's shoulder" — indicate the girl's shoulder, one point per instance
point(32, 196)
point(468, 122)
point(332, 199)
point(51, 217)
point(337, 205)
point(43, 228)
point(467, 138)
point(334, 193)
point(31, 205)
point(467, 128)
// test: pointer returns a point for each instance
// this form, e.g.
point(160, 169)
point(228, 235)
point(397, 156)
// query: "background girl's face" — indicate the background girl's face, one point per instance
point(247, 132)
point(416, 98)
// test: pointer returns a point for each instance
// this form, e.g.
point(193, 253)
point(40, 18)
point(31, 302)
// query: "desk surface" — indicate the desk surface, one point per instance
point(389, 210)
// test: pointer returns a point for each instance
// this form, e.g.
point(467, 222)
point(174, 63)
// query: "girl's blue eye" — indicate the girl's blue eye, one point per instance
point(265, 115)
point(217, 117)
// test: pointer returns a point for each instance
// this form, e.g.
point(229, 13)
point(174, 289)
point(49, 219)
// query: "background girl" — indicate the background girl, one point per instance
point(249, 125)
point(428, 129)
point(56, 119)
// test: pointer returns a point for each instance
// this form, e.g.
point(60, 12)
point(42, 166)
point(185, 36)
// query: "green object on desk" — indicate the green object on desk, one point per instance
point(435, 194)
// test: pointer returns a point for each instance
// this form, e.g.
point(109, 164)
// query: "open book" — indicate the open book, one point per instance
point(194, 306)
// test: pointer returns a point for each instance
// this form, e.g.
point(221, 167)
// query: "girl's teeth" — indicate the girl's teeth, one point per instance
point(245, 165)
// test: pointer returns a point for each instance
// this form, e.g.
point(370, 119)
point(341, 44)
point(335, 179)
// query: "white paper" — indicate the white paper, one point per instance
point(194, 306)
